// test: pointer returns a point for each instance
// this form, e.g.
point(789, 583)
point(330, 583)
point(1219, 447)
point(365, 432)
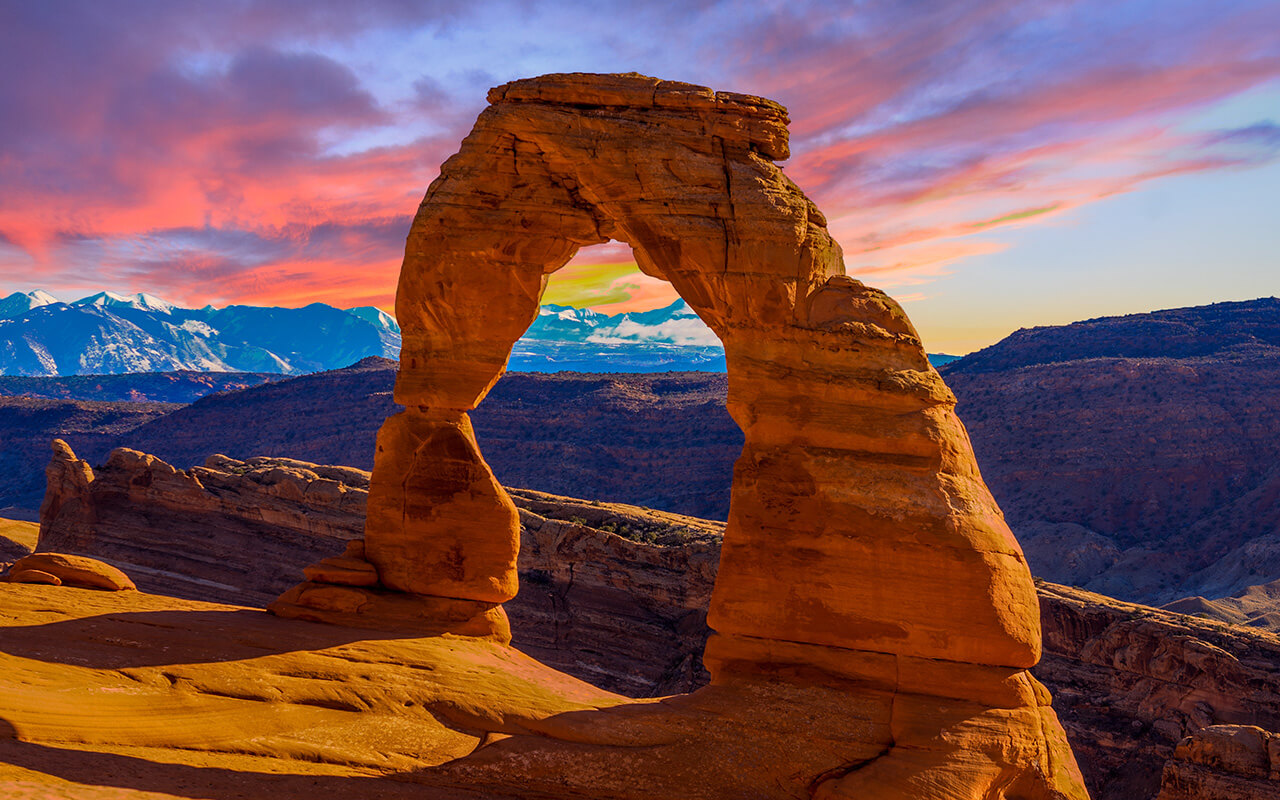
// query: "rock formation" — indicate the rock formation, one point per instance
point(1185, 397)
point(863, 554)
point(1131, 682)
point(629, 614)
point(232, 531)
point(1224, 762)
point(58, 569)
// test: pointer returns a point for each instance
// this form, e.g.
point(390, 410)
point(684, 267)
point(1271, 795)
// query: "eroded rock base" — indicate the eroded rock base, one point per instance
point(345, 590)
point(219, 698)
point(379, 609)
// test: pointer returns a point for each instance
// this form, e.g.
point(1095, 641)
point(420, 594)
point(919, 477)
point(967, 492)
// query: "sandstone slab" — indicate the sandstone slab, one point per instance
point(71, 570)
point(33, 576)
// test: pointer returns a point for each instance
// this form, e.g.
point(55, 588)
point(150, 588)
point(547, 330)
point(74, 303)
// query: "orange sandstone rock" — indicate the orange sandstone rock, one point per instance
point(863, 552)
point(231, 530)
point(1224, 762)
point(442, 524)
point(72, 570)
point(343, 571)
point(34, 576)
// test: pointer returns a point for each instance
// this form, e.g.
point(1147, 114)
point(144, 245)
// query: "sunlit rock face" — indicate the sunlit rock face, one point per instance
point(868, 583)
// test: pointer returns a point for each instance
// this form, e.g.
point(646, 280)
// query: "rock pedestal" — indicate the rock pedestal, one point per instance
point(863, 553)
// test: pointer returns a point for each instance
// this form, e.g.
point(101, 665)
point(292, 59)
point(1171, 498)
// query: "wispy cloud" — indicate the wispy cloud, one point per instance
point(275, 152)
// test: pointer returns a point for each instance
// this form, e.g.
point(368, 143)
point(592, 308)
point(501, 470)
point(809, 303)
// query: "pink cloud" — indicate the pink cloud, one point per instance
point(188, 155)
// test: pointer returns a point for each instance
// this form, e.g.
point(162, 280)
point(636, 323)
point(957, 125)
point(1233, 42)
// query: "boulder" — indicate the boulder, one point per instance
point(1224, 762)
point(71, 570)
point(34, 576)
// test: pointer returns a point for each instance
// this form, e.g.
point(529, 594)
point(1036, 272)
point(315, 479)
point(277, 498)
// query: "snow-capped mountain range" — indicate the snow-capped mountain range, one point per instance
point(109, 333)
point(583, 340)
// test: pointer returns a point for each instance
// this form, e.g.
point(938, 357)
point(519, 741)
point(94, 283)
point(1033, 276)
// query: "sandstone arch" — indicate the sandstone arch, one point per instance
point(862, 548)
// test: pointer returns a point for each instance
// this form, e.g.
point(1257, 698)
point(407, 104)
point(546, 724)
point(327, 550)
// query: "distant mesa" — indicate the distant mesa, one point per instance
point(1137, 456)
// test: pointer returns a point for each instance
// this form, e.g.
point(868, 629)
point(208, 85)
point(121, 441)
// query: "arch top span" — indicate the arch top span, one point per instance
point(683, 174)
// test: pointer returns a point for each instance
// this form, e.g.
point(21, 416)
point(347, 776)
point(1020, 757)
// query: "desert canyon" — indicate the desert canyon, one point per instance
point(864, 625)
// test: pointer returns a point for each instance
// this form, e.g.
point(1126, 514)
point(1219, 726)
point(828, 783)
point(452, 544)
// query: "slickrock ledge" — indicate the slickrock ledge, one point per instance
point(864, 558)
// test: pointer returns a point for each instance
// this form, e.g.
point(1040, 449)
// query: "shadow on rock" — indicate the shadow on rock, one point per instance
point(163, 638)
point(201, 783)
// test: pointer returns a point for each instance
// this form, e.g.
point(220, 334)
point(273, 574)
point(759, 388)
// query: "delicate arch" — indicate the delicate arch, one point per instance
point(827, 378)
point(863, 551)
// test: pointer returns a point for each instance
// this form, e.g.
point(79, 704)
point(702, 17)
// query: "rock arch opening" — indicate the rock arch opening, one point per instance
point(611, 430)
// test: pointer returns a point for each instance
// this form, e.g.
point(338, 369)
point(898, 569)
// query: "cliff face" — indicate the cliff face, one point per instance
point(1131, 682)
point(1137, 456)
point(230, 531)
point(617, 595)
point(612, 593)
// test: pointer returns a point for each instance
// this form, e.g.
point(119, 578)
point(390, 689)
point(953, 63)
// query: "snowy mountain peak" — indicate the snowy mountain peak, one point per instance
point(19, 303)
point(567, 312)
point(140, 301)
point(375, 316)
point(680, 309)
point(109, 333)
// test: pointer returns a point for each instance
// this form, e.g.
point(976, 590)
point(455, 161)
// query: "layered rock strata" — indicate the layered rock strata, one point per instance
point(1224, 762)
point(1131, 682)
point(611, 593)
point(230, 531)
point(863, 555)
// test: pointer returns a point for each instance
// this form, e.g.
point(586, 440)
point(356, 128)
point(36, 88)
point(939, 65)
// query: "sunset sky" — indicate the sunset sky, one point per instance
point(993, 164)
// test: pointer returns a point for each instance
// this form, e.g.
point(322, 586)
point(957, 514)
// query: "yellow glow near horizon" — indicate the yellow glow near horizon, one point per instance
point(608, 288)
